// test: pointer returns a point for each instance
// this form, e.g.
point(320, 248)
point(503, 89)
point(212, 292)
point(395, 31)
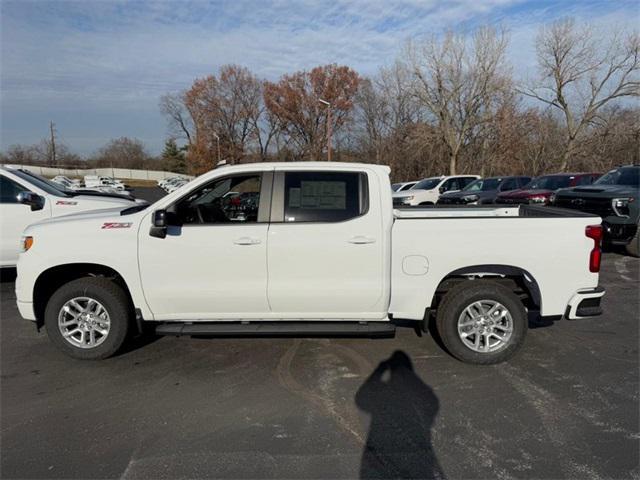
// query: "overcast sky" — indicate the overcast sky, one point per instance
point(98, 68)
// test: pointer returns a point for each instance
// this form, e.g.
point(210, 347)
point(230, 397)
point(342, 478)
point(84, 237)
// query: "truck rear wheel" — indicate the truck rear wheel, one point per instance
point(633, 247)
point(88, 318)
point(481, 322)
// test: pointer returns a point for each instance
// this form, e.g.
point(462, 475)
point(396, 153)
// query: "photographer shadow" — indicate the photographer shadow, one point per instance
point(402, 409)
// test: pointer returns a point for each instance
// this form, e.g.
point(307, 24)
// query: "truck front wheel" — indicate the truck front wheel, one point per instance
point(88, 318)
point(481, 322)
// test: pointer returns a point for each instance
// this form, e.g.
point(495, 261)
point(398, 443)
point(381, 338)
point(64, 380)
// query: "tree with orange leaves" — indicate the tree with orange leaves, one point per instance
point(295, 102)
point(223, 109)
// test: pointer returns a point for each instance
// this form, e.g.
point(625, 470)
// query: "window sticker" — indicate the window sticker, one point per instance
point(321, 195)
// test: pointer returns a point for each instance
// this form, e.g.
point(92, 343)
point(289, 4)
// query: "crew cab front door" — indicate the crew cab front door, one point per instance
point(212, 262)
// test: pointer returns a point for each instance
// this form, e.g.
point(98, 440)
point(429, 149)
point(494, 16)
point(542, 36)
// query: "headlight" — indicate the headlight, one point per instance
point(470, 198)
point(621, 206)
point(408, 199)
point(538, 199)
point(26, 243)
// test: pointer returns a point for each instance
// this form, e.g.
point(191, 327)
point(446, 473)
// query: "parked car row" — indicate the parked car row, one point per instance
point(93, 182)
point(613, 196)
point(27, 198)
point(171, 184)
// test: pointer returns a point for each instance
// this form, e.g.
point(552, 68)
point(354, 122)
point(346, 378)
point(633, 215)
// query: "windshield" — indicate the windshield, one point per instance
point(395, 187)
point(621, 176)
point(42, 183)
point(483, 185)
point(552, 182)
point(426, 184)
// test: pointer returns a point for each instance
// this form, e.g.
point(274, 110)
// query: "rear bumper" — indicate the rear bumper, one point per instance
point(585, 303)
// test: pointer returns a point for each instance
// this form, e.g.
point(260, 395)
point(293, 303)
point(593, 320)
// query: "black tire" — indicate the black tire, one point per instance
point(463, 295)
point(633, 247)
point(113, 299)
point(427, 203)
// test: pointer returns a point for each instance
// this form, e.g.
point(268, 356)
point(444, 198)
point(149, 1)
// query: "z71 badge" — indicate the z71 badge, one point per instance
point(116, 225)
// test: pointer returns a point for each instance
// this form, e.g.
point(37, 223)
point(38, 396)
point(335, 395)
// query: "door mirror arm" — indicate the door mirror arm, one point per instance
point(35, 201)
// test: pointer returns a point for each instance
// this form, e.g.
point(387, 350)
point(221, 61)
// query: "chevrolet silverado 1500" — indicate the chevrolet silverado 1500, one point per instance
point(306, 248)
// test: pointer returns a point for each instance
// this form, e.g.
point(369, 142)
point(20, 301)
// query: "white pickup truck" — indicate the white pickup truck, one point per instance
point(306, 249)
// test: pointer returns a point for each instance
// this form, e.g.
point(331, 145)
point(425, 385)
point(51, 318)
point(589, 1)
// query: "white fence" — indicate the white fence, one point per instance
point(123, 173)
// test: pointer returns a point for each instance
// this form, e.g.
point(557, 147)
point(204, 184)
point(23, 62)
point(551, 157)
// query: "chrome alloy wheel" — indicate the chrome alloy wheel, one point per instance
point(84, 322)
point(485, 326)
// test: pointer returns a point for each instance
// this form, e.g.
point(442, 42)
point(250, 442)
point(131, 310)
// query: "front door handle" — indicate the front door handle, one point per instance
point(246, 241)
point(361, 239)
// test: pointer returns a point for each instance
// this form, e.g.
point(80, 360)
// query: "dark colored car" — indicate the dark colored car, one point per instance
point(616, 198)
point(540, 189)
point(483, 190)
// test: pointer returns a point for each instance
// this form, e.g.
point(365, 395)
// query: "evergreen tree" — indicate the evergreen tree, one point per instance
point(174, 157)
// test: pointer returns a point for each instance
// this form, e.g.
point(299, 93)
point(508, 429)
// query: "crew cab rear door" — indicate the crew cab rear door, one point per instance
point(325, 249)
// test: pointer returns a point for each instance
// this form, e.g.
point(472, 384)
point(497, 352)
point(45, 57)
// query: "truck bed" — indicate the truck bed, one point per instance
point(481, 211)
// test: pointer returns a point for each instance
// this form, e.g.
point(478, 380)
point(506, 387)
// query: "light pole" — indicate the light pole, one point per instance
point(218, 143)
point(324, 102)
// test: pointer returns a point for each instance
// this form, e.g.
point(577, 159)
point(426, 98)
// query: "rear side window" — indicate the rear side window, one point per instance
point(509, 184)
point(524, 181)
point(585, 180)
point(9, 190)
point(324, 196)
point(466, 181)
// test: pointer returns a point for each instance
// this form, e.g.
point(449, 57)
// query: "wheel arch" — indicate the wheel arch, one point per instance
point(53, 278)
point(518, 278)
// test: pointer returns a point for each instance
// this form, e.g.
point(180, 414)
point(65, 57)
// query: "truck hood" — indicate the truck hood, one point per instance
point(611, 191)
point(407, 193)
point(107, 215)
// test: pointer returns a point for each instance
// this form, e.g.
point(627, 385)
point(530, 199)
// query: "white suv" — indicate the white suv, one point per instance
point(427, 191)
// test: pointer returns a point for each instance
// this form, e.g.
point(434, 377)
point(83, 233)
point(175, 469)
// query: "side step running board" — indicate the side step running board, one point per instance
point(279, 328)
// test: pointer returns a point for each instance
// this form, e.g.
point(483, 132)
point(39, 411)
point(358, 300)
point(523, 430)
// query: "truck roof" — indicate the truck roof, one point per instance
point(316, 164)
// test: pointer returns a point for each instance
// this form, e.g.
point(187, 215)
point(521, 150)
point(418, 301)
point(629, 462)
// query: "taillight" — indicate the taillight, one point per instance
point(595, 232)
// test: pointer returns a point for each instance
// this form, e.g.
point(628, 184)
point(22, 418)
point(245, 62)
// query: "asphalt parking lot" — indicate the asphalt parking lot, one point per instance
point(566, 407)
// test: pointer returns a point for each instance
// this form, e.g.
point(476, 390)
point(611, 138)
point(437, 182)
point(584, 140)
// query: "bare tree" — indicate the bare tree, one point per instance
point(459, 83)
point(172, 105)
point(582, 73)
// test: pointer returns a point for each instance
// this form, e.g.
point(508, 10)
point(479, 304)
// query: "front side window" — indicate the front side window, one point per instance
point(324, 196)
point(9, 190)
point(229, 200)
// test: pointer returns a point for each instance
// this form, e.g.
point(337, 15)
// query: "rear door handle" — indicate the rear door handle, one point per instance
point(361, 239)
point(246, 241)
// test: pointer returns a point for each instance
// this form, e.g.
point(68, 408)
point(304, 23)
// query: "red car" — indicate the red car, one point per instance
point(540, 189)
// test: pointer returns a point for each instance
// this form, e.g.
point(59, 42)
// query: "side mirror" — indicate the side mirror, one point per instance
point(158, 224)
point(442, 189)
point(35, 201)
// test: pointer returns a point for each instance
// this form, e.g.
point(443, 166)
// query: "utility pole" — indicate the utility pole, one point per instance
point(52, 130)
point(324, 102)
